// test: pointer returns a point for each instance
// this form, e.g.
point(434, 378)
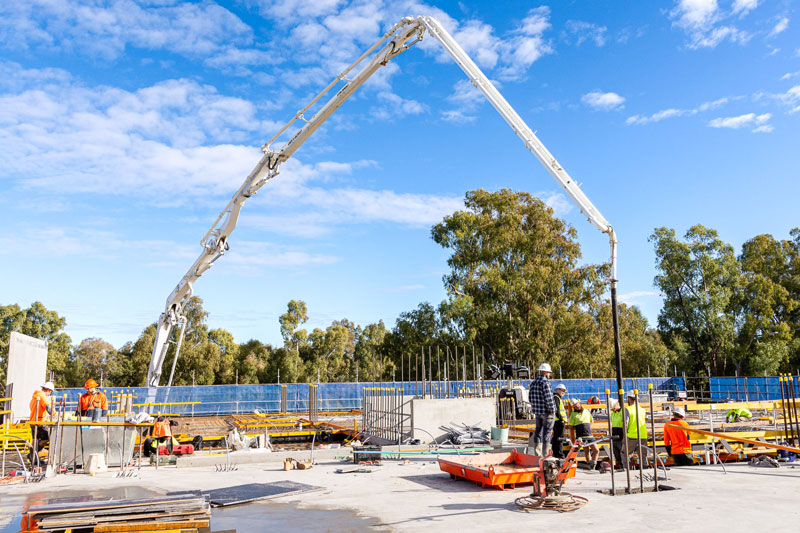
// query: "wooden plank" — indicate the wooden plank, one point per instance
point(149, 526)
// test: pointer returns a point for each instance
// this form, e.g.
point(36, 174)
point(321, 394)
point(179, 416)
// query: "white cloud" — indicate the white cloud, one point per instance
point(603, 101)
point(466, 98)
point(580, 31)
point(658, 116)
point(779, 27)
point(701, 21)
point(637, 297)
point(560, 204)
point(790, 75)
point(742, 7)
point(106, 29)
point(758, 122)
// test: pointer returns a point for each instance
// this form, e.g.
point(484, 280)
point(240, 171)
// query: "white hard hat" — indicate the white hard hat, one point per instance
point(612, 404)
point(631, 393)
point(680, 412)
point(561, 386)
point(544, 367)
point(575, 401)
point(49, 385)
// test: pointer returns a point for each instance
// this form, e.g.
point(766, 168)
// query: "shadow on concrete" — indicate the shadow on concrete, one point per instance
point(464, 508)
point(442, 482)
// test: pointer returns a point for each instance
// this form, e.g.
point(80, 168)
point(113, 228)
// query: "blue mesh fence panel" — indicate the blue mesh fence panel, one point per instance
point(743, 389)
point(229, 399)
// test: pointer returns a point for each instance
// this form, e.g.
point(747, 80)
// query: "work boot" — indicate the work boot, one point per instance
point(592, 465)
point(537, 449)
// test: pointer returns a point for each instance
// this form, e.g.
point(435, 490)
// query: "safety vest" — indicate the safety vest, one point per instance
point(636, 417)
point(561, 412)
point(162, 429)
point(676, 438)
point(616, 419)
point(740, 413)
point(39, 414)
point(577, 418)
point(91, 401)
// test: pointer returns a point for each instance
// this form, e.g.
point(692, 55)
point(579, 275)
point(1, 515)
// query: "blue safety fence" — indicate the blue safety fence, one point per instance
point(231, 399)
point(747, 389)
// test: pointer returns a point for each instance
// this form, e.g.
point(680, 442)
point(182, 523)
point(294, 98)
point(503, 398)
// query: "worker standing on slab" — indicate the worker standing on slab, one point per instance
point(581, 421)
point(42, 411)
point(560, 421)
point(617, 430)
point(637, 424)
point(677, 439)
point(543, 407)
point(93, 403)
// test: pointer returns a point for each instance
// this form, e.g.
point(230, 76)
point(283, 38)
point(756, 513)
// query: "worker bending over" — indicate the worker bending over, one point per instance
point(617, 430)
point(637, 425)
point(581, 421)
point(544, 408)
point(736, 415)
point(42, 411)
point(160, 433)
point(676, 439)
point(93, 403)
point(560, 421)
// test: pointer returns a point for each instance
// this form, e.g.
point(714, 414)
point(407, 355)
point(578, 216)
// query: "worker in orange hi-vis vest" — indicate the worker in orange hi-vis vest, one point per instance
point(161, 433)
point(93, 403)
point(677, 439)
point(42, 411)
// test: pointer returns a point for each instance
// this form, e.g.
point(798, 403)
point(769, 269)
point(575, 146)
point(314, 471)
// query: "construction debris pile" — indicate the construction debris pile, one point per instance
point(464, 434)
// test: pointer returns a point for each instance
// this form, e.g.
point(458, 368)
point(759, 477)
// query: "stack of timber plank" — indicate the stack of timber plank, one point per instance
point(188, 512)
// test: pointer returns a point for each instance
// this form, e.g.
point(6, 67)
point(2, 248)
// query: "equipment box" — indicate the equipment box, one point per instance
point(366, 453)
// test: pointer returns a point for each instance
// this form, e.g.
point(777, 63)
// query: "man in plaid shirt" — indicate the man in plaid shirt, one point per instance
point(544, 408)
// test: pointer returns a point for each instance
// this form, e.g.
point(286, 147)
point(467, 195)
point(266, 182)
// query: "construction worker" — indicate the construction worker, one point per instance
point(677, 439)
point(736, 415)
point(42, 411)
point(160, 433)
point(617, 429)
point(559, 422)
point(93, 403)
point(637, 425)
point(581, 421)
point(543, 407)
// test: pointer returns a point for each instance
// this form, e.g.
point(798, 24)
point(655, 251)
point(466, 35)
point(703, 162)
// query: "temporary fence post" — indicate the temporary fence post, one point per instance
point(794, 408)
point(438, 374)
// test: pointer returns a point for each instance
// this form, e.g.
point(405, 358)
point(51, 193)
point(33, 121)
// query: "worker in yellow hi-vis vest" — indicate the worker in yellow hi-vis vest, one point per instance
point(636, 418)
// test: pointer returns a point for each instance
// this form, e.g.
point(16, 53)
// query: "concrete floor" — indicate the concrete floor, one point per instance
point(419, 497)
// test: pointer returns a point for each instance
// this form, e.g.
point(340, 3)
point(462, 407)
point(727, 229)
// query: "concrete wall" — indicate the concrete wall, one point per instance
point(430, 413)
point(27, 371)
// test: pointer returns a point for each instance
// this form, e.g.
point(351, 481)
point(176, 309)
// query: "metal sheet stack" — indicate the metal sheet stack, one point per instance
point(186, 512)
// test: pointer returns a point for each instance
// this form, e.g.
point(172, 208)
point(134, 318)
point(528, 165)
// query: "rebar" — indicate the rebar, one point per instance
point(639, 439)
point(610, 444)
point(653, 435)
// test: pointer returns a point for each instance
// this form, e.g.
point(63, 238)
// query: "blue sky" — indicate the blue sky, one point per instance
point(126, 127)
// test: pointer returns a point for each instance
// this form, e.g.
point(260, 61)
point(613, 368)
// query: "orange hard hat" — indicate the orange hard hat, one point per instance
point(90, 384)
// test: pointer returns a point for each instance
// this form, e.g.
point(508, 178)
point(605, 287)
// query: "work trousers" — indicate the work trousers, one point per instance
point(682, 459)
point(558, 433)
point(633, 449)
point(616, 440)
point(539, 442)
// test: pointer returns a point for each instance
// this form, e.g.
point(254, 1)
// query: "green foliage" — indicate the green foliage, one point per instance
point(515, 283)
point(723, 313)
point(35, 321)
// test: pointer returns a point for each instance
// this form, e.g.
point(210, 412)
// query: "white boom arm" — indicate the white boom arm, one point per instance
point(403, 35)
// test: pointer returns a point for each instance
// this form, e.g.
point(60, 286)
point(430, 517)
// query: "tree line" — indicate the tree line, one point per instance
point(516, 291)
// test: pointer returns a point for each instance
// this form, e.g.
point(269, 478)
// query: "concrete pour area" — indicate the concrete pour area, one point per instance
point(417, 496)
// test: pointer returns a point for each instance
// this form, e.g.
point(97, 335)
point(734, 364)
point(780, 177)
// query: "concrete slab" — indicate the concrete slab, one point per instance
point(417, 496)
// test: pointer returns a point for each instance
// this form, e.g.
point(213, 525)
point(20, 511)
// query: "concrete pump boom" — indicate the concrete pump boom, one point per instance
point(398, 39)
